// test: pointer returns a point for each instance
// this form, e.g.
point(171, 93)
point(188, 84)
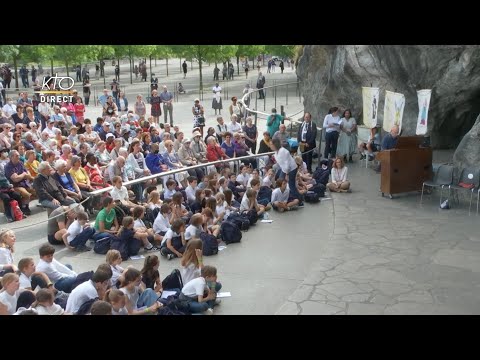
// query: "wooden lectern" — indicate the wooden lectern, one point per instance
point(406, 167)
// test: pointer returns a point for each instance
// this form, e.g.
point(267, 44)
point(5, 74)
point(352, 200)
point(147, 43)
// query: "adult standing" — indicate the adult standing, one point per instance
point(306, 137)
point(332, 125)
point(246, 66)
point(260, 85)
point(185, 68)
point(288, 167)
point(273, 122)
point(217, 99)
point(156, 110)
point(167, 101)
point(86, 91)
point(198, 116)
point(234, 108)
point(347, 141)
point(140, 108)
point(122, 103)
point(251, 135)
point(282, 66)
point(216, 71)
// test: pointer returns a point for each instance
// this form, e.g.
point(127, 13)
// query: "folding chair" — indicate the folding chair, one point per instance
point(467, 177)
point(443, 177)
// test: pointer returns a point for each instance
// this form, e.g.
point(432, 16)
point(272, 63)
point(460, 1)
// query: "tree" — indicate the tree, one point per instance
point(164, 52)
point(280, 50)
point(248, 51)
point(71, 53)
point(103, 52)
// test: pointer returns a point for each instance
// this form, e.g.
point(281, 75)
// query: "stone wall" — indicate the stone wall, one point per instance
point(334, 75)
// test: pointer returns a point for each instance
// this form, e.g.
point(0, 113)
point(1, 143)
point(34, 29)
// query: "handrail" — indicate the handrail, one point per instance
point(171, 172)
point(242, 101)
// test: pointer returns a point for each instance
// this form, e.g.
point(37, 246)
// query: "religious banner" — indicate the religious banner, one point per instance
point(393, 111)
point(423, 105)
point(370, 106)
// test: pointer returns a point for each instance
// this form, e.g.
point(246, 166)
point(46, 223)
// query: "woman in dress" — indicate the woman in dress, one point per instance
point(217, 99)
point(140, 108)
point(156, 111)
point(251, 135)
point(347, 142)
point(198, 116)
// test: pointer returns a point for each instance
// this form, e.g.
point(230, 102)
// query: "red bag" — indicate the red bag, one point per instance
point(17, 214)
point(466, 186)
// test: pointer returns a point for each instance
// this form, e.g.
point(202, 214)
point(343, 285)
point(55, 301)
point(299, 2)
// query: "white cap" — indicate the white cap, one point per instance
point(109, 135)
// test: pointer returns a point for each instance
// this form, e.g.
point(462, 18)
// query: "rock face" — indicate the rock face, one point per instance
point(334, 75)
point(467, 153)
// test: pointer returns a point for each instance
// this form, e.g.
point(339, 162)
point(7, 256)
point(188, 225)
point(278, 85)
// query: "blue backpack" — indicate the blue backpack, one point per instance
point(230, 232)
point(210, 244)
point(240, 220)
point(102, 245)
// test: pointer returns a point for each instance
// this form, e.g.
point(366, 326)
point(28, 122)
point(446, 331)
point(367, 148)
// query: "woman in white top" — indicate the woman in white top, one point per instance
point(137, 162)
point(114, 259)
point(339, 181)
point(347, 142)
point(217, 99)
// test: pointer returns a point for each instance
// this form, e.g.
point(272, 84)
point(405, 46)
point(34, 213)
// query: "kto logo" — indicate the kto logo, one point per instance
point(50, 83)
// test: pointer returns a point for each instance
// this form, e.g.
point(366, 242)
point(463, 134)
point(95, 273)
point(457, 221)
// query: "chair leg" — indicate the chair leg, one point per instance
point(421, 197)
point(470, 205)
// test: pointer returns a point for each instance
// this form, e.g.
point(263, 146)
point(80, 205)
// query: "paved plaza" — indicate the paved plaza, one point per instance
point(353, 253)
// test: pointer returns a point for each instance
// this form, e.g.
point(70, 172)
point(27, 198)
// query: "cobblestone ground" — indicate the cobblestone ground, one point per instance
point(392, 257)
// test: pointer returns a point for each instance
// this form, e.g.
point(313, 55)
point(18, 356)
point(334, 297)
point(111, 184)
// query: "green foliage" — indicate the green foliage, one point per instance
point(280, 50)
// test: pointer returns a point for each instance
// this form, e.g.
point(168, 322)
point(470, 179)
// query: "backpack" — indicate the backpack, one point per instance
point(230, 232)
point(86, 306)
point(172, 305)
point(17, 214)
point(210, 244)
point(312, 197)
point(120, 245)
point(240, 220)
point(102, 245)
point(252, 216)
point(173, 281)
point(319, 189)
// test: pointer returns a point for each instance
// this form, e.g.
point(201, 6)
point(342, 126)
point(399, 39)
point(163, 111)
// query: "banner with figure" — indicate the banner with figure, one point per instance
point(393, 111)
point(423, 105)
point(370, 106)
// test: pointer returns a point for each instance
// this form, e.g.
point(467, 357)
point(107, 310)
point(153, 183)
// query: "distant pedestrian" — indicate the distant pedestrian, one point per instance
point(185, 68)
point(246, 67)
point(216, 71)
point(117, 72)
point(281, 65)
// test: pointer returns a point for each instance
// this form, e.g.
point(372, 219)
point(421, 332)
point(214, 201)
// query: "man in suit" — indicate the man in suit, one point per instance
point(307, 134)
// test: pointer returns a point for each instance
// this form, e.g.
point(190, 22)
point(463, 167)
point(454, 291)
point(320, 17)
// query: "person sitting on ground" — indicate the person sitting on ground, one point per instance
point(180, 88)
point(79, 232)
point(173, 242)
point(339, 181)
point(91, 289)
point(44, 303)
point(150, 275)
point(281, 199)
point(194, 291)
point(62, 276)
point(10, 292)
point(118, 300)
point(140, 301)
point(59, 221)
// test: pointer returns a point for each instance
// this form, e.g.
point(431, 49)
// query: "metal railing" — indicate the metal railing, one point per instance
point(286, 117)
point(179, 170)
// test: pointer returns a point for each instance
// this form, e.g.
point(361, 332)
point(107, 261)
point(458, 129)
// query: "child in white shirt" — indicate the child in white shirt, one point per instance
point(79, 232)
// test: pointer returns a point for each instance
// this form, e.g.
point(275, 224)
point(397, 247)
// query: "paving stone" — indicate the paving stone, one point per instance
point(417, 296)
point(391, 289)
point(318, 308)
point(380, 274)
point(382, 300)
point(408, 308)
point(365, 309)
point(302, 293)
point(341, 288)
point(288, 308)
point(458, 258)
point(374, 260)
point(356, 298)
point(314, 278)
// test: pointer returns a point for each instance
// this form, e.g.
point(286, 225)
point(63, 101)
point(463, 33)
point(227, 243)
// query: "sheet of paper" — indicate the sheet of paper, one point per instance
point(167, 293)
point(221, 247)
point(224, 294)
point(137, 257)
point(267, 221)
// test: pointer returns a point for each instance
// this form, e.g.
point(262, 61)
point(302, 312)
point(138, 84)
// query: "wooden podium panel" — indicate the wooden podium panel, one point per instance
point(404, 170)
